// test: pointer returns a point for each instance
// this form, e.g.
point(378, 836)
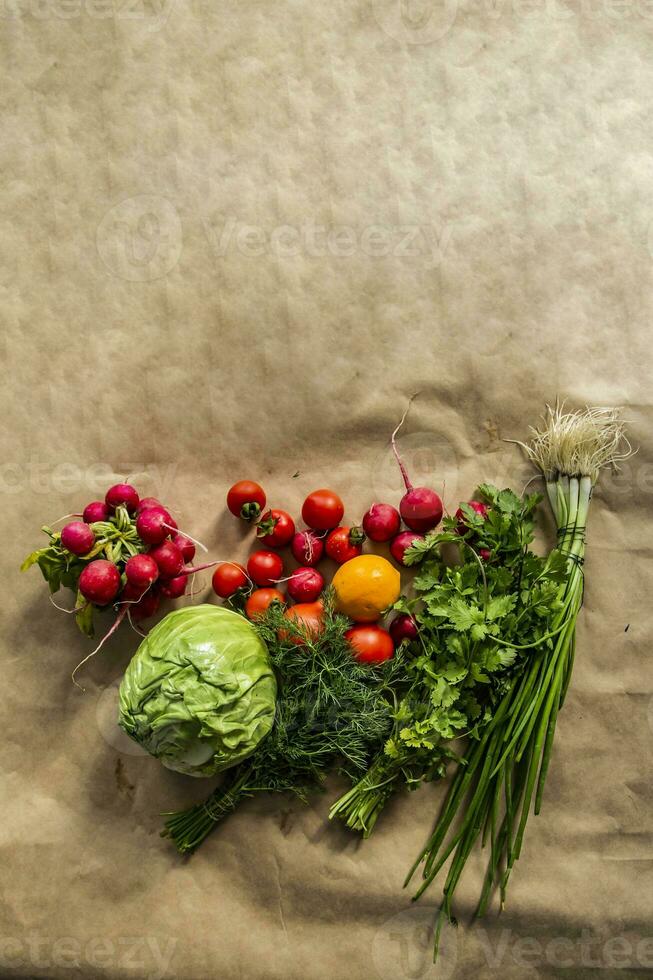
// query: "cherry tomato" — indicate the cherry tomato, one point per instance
point(228, 578)
point(265, 568)
point(484, 554)
point(309, 615)
point(305, 584)
point(276, 529)
point(345, 543)
point(261, 600)
point(246, 499)
point(371, 644)
point(307, 548)
point(323, 510)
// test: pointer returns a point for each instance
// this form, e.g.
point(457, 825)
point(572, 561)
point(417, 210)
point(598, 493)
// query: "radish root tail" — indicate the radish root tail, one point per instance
point(119, 618)
point(393, 440)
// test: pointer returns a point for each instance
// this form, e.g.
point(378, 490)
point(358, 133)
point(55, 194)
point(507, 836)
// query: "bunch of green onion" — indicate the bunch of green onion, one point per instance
point(503, 774)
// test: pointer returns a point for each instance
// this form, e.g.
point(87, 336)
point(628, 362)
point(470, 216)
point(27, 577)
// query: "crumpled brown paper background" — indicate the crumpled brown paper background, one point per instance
point(236, 238)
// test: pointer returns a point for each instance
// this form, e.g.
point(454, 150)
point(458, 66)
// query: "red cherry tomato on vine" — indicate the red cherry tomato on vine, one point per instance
point(345, 543)
point(228, 578)
point(276, 529)
point(371, 644)
point(265, 568)
point(246, 500)
point(261, 600)
point(323, 510)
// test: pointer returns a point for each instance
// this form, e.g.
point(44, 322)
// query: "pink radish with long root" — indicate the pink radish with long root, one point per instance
point(421, 508)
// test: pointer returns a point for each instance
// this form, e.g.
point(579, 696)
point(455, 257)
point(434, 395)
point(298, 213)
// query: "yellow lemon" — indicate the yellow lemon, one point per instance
point(365, 586)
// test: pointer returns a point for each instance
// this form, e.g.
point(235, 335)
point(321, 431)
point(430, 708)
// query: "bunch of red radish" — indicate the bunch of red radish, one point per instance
point(138, 584)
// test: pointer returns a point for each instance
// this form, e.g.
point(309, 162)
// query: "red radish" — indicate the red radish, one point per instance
point(403, 627)
point(146, 502)
point(370, 643)
point(99, 581)
point(246, 500)
point(345, 543)
point(307, 548)
point(174, 588)
point(153, 525)
point(141, 571)
point(420, 507)
point(476, 505)
point(484, 554)
point(228, 578)
point(186, 546)
point(146, 606)
point(122, 494)
point(401, 543)
point(276, 529)
point(77, 537)
point(305, 584)
point(323, 510)
point(381, 522)
point(168, 557)
point(132, 593)
point(97, 510)
point(265, 568)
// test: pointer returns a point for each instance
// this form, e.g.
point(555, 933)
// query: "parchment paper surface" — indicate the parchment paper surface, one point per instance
point(236, 237)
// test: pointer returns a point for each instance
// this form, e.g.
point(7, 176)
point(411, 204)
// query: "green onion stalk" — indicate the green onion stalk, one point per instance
point(502, 776)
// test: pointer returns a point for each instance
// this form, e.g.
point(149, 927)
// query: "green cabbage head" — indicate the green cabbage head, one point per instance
point(199, 693)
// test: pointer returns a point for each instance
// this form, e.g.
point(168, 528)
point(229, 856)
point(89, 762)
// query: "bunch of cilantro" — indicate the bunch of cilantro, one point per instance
point(476, 617)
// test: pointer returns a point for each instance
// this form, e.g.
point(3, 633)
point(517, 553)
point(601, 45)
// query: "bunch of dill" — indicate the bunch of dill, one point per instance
point(332, 712)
